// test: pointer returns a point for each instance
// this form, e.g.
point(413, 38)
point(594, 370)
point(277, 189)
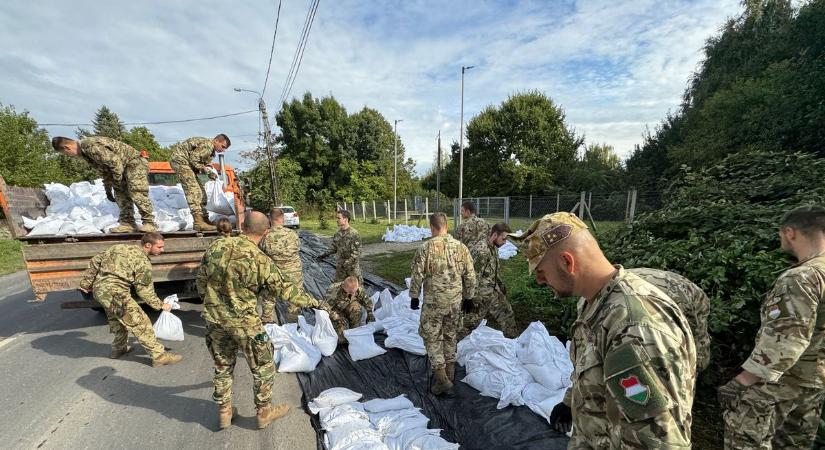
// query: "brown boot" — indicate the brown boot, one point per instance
point(166, 359)
point(442, 384)
point(117, 353)
point(148, 228)
point(123, 228)
point(201, 225)
point(267, 414)
point(449, 369)
point(225, 414)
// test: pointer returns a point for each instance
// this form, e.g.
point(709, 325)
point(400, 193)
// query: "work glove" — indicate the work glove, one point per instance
point(467, 305)
point(561, 419)
point(729, 393)
point(213, 176)
point(413, 303)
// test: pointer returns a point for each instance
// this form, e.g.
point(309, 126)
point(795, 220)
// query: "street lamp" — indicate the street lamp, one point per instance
point(395, 172)
point(461, 146)
point(268, 142)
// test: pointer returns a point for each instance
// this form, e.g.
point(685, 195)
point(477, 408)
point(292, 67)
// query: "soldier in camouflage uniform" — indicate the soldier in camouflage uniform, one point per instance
point(776, 401)
point(284, 247)
point(346, 301)
point(491, 296)
point(632, 348)
point(124, 170)
point(346, 244)
point(189, 158)
point(110, 277)
point(445, 269)
point(233, 273)
point(693, 301)
point(473, 228)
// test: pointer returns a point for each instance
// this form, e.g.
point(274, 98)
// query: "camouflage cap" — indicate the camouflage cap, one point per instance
point(545, 233)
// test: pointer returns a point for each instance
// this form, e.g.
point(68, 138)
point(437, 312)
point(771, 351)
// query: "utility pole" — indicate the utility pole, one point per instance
point(461, 145)
point(268, 143)
point(438, 175)
point(395, 172)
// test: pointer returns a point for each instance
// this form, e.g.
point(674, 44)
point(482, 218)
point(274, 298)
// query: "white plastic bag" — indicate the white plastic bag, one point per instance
point(391, 404)
point(342, 414)
point(168, 327)
point(333, 397)
point(350, 435)
point(362, 343)
point(298, 356)
point(172, 300)
point(216, 200)
point(323, 334)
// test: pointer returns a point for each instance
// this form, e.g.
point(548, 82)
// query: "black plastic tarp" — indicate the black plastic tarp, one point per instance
point(466, 417)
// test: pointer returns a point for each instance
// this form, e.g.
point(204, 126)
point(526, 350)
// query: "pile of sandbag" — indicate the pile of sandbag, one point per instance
point(378, 424)
point(406, 233)
point(532, 370)
point(298, 347)
point(507, 251)
point(83, 208)
point(400, 323)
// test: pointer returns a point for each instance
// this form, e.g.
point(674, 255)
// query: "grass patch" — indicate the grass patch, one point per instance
point(371, 233)
point(11, 256)
point(393, 267)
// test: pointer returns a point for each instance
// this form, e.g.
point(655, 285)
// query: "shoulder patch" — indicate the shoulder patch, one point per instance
point(633, 384)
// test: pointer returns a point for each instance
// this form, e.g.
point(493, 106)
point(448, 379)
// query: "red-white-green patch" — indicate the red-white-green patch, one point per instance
point(774, 312)
point(634, 390)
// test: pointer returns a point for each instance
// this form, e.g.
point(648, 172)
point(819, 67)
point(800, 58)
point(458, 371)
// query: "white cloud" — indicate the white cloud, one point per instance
point(616, 67)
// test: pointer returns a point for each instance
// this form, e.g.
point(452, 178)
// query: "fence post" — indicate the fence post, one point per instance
point(389, 212)
point(364, 210)
point(581, 205)
point(589, 203)
point(632, 206)
point(558, 200)
point(353, 207)
point(507, 210)
point(426, 206)
point(406, 216)
point(374, 214)
point(530, 208)
point(627, 208)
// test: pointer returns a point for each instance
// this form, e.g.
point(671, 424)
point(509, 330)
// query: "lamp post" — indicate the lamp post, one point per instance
point(268, 143)
point(395, 173)
point(461, 146)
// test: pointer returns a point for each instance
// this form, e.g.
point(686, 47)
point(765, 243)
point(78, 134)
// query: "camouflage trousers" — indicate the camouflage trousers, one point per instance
point(489, 304)
point(223, 344)
point(773, 416)
point(439, 329)
point(268, 301)
point(133, 191)
point(343, 271)
point(346, 317)
point(192, 187)
point(125, 315)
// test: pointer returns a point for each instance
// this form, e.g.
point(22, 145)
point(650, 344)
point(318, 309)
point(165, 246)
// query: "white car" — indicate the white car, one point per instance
point(291, 219)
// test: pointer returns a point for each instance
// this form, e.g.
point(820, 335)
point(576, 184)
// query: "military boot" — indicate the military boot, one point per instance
point(442, 384)
point(166, 359)
point(267, 414)
point(449, 369)
point(148, 228)
point(118, 352)
point(123, 228)
point(201, 225)
point(225, 414)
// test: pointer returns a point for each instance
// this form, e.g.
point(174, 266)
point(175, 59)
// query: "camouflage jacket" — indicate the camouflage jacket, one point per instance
point(197, 152)
point(122, 267)
point(108, 156)
point(790, 345)
point(634, 369)
point(338, 299)
point(233, 272)
point(473, 230)
point(445, 269)
point(283, 246)
point(486, 264)
point(693, 301)
point(346, 244)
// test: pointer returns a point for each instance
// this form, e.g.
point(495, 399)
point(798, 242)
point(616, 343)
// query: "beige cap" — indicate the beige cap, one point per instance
point(545, 233)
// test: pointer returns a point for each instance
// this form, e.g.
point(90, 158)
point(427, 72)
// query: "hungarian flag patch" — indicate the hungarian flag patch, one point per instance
point(634, 390)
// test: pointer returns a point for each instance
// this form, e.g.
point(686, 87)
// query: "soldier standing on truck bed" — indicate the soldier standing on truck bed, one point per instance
point(123, 169)
point(189, 158)
point(346, 244)
point(110, 277)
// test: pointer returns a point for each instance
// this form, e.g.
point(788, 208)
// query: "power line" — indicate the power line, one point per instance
point(299, 52)
point(272, 50)
point(151, 123)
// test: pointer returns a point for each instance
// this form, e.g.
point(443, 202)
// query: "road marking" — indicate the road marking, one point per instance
point(8, 340)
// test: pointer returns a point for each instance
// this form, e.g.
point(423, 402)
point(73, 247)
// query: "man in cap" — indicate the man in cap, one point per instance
point(491, 296)
point(445, 269)
point(346, 301)
point(111, 277)
point(776, 401)
point(284, 247)
point(233, 272)
point(473, 228)
point(632, 348)
point(346, 245)
point(124, 170)
point(189, 158)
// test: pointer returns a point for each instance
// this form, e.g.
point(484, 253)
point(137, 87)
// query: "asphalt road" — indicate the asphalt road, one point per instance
point(59, 389)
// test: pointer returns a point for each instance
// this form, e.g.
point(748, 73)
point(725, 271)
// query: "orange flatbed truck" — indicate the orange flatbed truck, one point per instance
point(56, 262)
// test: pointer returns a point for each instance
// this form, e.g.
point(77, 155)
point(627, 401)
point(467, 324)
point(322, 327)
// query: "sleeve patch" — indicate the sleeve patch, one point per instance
point(633, 384)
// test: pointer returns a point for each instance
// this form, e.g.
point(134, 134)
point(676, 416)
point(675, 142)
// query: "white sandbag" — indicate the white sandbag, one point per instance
point(545, 357)
point(406, 233)
point(404, 440)
point(336, 416)
point(168, 327)
point(46, 226)
point(304, 328)
point(391, 404)
point(432, 442)
point(298, 356)
point(323, 334)
point(216, 200)
point(395, 423)
point(333, 397)
point(507, 251)
point(279, 338)
point(349, 434)
point(411, 343)
point(541, 400)
point(362, 343)
point(386, 308)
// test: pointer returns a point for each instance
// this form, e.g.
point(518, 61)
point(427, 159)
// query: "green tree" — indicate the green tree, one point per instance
point(291, 186)
point(142, 139)
point(26, 155)
point(598, 169)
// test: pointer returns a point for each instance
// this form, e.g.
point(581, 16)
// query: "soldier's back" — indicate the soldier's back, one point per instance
point(119, 264)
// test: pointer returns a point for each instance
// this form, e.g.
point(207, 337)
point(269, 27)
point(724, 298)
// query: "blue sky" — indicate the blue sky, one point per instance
point(615, 67)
